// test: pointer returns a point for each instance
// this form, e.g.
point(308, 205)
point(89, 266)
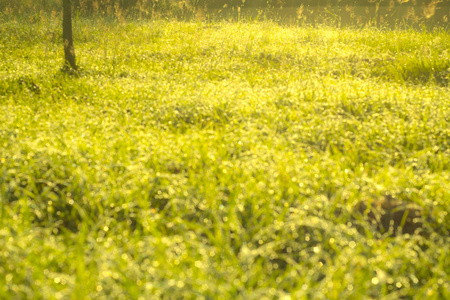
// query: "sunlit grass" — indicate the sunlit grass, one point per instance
point(223, 160)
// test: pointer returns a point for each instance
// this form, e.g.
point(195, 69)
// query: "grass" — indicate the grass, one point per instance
point(223, 160)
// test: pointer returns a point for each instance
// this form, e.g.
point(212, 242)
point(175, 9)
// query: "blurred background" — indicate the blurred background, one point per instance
point(382, 13)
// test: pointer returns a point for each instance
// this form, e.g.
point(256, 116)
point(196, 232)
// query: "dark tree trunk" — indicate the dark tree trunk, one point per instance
point(69, 50)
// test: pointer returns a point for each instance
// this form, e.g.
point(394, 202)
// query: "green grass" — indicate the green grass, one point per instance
point(223, 160)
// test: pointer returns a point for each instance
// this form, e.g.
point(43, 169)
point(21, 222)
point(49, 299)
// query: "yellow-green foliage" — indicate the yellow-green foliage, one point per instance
point(223, 161)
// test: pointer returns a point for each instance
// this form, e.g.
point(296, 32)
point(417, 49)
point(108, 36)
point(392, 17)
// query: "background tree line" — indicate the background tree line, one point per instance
point(311, 11)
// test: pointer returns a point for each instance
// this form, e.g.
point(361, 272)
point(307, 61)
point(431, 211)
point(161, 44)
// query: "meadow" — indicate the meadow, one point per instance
point(223, 160)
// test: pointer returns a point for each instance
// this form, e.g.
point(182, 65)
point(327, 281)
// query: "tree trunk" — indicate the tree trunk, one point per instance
point(69, 50)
